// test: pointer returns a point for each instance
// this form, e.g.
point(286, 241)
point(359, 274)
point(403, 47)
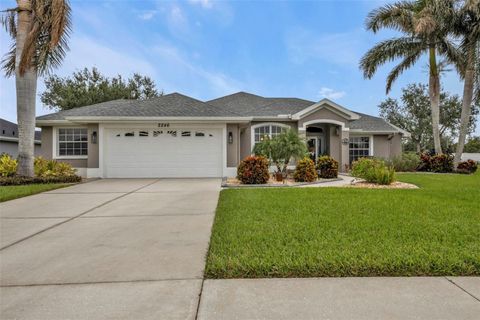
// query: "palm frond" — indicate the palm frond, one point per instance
point(390, 50)
point(8, 21)
point(8, 61)
point(407, 62)
point(398, 16)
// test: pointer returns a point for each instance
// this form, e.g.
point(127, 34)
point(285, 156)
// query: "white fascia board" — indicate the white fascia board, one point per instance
point(40, 123)
point(360, 131)
point(156, 119)
point(273, 118)
point(320, 104)
point(405, 133)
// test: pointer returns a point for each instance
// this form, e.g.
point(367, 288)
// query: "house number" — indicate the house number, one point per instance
point(164, 125)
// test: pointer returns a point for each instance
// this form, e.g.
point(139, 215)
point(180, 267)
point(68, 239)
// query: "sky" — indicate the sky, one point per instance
point(206, 49)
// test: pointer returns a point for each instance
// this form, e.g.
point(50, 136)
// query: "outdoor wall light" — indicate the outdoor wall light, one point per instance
point(230, 137)
point(345, 141)
point(94, 137)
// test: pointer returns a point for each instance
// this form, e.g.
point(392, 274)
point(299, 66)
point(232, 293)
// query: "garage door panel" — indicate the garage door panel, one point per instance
point(163, 155)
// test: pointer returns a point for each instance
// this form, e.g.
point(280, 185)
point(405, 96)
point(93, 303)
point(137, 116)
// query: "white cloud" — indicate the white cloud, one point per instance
point(331, 93)
point(147, 15)
point(207, 4)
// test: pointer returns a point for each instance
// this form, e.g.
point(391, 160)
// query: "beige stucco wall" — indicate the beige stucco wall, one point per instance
point(47, 140)
point(322, 114)
point(335, 144)
point(387, 148)
point(92, 161)
point(233, 149)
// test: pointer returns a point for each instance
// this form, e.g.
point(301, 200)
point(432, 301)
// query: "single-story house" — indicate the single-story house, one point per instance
point(179, 136)
point(9, 139)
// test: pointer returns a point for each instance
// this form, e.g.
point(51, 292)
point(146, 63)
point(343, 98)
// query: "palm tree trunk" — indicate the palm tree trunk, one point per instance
point(466, 104)
point(26, 87)
point(434, 92)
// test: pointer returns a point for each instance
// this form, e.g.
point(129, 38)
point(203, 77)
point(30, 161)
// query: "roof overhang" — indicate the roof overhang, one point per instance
point(14, 139)
point(332, 106)
point(378, 132)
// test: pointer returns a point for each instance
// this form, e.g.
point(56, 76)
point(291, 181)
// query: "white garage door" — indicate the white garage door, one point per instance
point(145, 153)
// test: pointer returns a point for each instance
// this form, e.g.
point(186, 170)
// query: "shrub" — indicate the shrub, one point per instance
point(469, 166)
point(52, 168)
point(373, 170)
point(406, 162)
point(8, 165)
point(18, 180)
point(327, 167)
point(441, 163)
point(305, 171)
point(253, 170)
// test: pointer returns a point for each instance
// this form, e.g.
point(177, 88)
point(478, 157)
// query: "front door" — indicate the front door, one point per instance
point(315, 147)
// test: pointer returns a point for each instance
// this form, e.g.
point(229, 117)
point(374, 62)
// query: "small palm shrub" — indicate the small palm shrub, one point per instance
point(468, 167)
point(8, 165)
point(373, 170)
point(327, 167)
point(406, 162)
point(305, 171)
point(253, 170)
point(52, 168)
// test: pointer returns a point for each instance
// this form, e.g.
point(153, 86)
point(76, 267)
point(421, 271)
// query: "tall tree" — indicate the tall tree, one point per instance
point(413, 114)
point(467, 27)
point(424, 27)
point(39, 30)
point(86, 87)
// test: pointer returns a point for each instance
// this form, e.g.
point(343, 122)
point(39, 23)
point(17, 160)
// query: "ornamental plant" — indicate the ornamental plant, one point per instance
point(52, 168)
point(305, 171)
point(281, 149)
point(468, 167)
point(373, 170)
point(327, 167)
point(253, 170)
point(8, 165)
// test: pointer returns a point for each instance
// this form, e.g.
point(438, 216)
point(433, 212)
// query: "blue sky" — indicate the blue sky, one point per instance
point(206, 49)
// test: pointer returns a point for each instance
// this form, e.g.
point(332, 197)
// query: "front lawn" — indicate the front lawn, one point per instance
point(14, 192)
point(310, 232)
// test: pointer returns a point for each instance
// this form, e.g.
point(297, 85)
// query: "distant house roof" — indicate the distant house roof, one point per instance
point(9, 131)
point(238, 105)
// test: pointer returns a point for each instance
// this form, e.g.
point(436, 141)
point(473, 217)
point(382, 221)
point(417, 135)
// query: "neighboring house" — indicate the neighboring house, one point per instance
point(9, 138)
point(178, 136)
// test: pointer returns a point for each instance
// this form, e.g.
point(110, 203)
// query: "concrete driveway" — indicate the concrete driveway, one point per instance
point(107, 249)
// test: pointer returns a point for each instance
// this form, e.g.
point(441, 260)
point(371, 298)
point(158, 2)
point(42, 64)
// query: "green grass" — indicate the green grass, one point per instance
point(14, 192)
point(310, 232)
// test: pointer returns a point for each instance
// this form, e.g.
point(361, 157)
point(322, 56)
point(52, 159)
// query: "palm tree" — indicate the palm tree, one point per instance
point(39, 30)
point(467, 27)
point(424, 25)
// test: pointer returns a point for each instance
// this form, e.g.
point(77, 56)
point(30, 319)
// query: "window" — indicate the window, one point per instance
point(143, 134)
point(267, 131)
point(156, 133)
point(186, 133)
point(73, 142)
point(130, 134)
point(359, 147)
point(173, 133)
point(199, 134)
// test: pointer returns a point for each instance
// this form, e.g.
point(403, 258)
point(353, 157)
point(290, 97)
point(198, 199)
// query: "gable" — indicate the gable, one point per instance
point(344, 113)
point(323, 114)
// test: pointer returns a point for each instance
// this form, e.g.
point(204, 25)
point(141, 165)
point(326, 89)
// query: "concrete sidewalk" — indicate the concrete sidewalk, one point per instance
point(342, 298)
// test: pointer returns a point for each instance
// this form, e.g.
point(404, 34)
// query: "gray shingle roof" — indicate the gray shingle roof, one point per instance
point(240, 104)
point(251, 105)
point(170, 105)
point(370, 123)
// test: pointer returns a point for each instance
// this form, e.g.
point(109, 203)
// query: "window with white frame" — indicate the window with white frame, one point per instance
point(72, 142)
point(359, 148)
point(270, 131)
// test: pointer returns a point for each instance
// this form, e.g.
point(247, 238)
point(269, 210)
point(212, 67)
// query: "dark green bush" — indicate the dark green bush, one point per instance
point(253, 170)
point(327, 167)
point(18, 180)
point(305, 171)
point(468, 167)
point(373, 170)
